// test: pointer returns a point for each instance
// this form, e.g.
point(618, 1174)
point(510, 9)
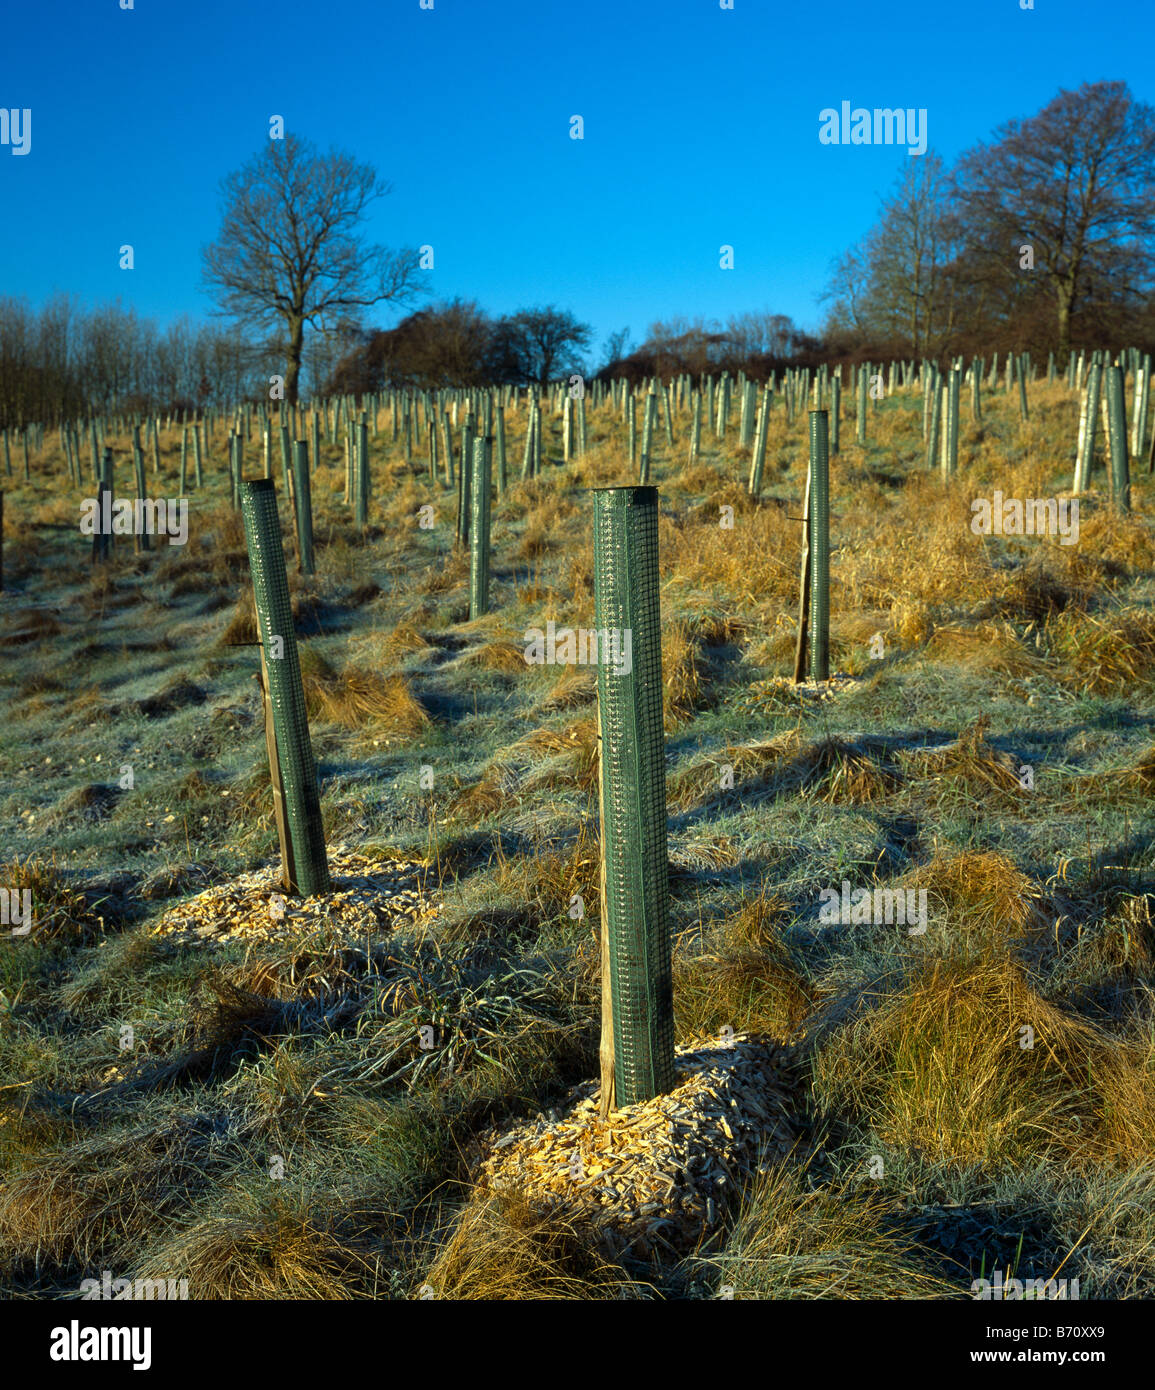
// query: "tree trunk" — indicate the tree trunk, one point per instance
point(293, 366)
point(1066, 294)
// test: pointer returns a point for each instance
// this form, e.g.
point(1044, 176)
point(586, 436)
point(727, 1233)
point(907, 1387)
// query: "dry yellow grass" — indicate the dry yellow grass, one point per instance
point(682, 678)
point(1103, 654)
point(356, 698)
point(267, 1247)
point(986, 646)
point(800, 1240)
point(746, 979)
point(830, 770)
point(499, 656)
point(573, 689)
point(972, 766)
point(988, 902)
point(505, 1249)
point(970, 1064)
point(404, 640)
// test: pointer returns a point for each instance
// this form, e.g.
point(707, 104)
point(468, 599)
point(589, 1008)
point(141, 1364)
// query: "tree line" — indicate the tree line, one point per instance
point(1038, 239)
point(1041, 238)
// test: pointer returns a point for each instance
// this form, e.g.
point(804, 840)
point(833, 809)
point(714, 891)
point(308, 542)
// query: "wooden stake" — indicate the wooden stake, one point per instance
point(288, 866)
point(606, 1045)
point(804, 595)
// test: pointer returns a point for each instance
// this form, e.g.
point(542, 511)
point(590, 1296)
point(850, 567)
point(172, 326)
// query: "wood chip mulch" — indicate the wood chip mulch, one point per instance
point(655, 1178)
point(369, 896)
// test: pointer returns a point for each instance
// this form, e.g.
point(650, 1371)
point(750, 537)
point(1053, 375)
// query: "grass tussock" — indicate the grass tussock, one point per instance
point(273, 1245)
point(1108, 654)
point(574, 689)
point(831, 770)
point(795, 1240)
point(970, 1064)
point(972, 768)
point(507, 657)
point(986, 647)
point(60, 911)
point(683, 679)
point(357, 698)
point(981, 897)
point(746, 977)
point(104, 1196)
point(551, 881)
point(505, 1249)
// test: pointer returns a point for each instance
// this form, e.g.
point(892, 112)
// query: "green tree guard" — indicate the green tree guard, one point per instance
point(142, 540)
point(447, 446)
point(198, 456)
point(537, 439)
point(1117, 419)
point(933, 433)
point(761, 432)
point(746, 418)
point(304, 506)
point(305, 866)
point(1024, 414)
point(479, 531)
point(835, 410)
point(499, 425)
point(638, 1015)
point(465, 480)
point(860, 421)
point(362, 507)
point(286, 455)
point(647, 436)
point(527, 459)
point(952, 420)
point(632, 427)
point(101, 539)
point(695, 427)
point(819, 546)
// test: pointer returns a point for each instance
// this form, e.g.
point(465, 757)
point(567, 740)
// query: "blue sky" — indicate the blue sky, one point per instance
point(701, 129)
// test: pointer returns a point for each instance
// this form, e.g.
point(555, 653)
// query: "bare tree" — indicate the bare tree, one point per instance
point(908, 253)
point(534, 344)
point(762, 333)
point(617, 347)
point(847, 288)
point(289, 255)
point(1076, 183)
